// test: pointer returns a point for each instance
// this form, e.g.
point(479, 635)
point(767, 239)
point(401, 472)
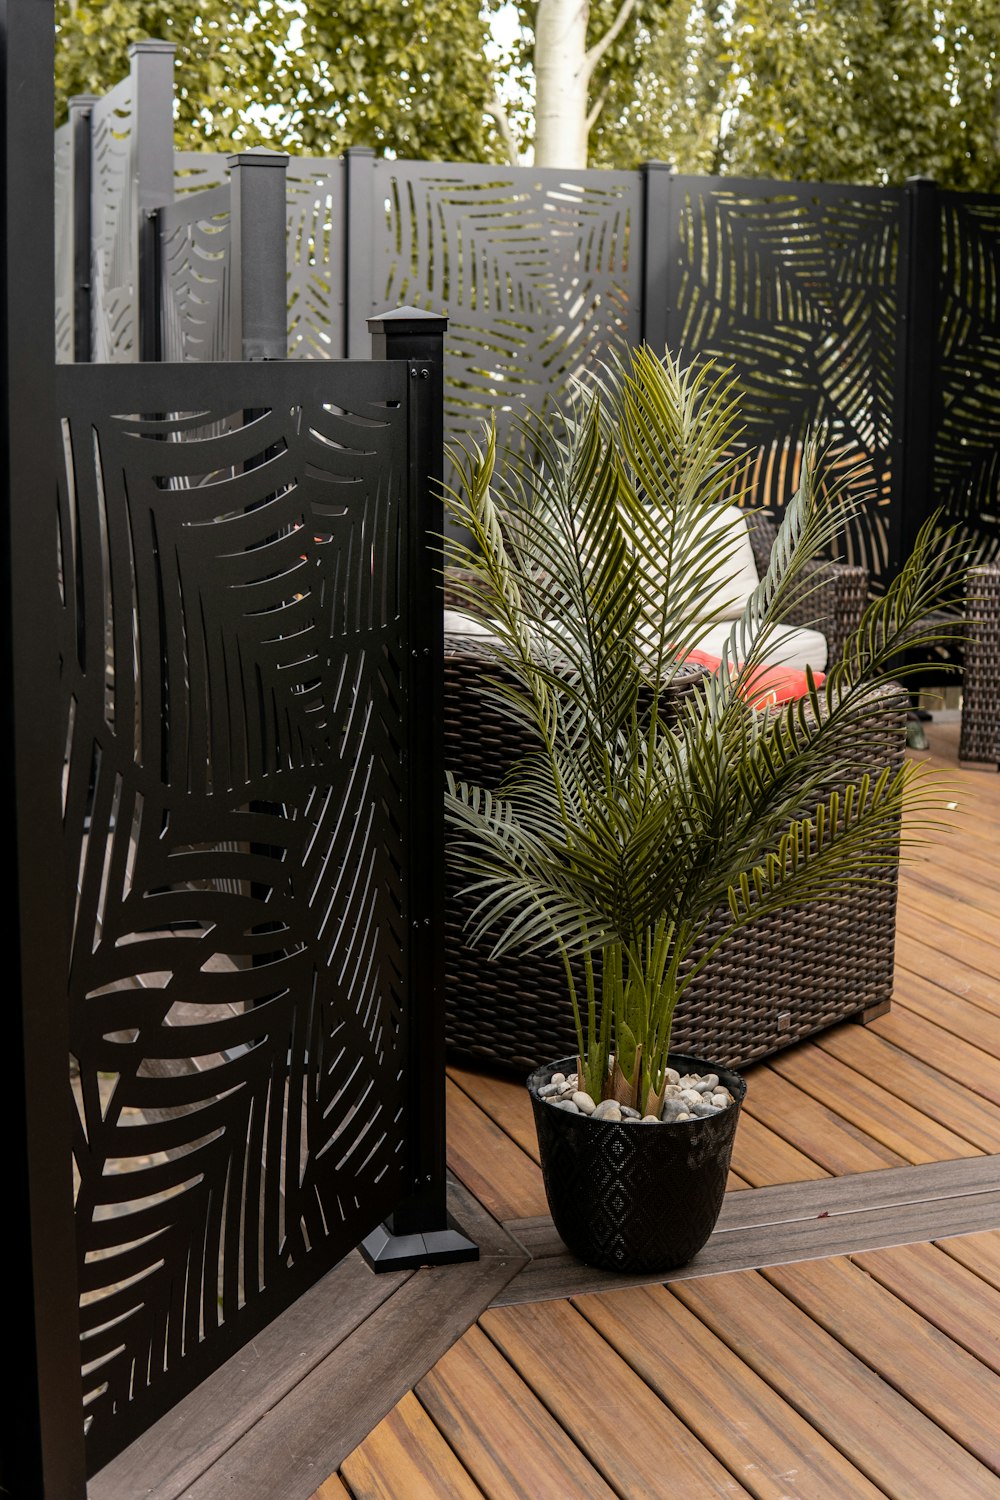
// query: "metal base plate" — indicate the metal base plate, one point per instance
point(404, 1252)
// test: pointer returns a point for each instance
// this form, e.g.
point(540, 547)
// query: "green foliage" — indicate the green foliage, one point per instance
point(871, 92)
point(620, 834)
point(226, 56)
point(401, 76)
point(405, 76)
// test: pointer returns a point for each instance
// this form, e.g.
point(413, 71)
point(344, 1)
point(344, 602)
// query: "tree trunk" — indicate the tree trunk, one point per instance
point(562, 76)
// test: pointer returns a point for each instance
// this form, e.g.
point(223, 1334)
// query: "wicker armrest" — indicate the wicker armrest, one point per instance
point(833, 595)
point(980, 739)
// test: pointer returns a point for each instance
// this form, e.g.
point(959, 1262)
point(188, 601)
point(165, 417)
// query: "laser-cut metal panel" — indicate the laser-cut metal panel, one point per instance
point(194, 265)
point(966, 470)
point(537, 271)
point(235, 676)
point(64, 242)
point(793, 286)
point(114, 206)
point(315, 211)
point(197, 171)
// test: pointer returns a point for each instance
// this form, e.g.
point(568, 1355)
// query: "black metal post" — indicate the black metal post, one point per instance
point(419, 1231)
point(359, 168)
point(913, 445)
point(80, 108)
point(41, 1427)
point(258, 283)
point(658, 254)
point(152, 68)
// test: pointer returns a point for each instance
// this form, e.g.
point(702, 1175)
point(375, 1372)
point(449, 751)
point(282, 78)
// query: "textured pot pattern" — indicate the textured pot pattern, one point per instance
point(633, 1197)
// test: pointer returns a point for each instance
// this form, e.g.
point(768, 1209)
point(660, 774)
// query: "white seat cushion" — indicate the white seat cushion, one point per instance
point(791, 645)
point(457, 622)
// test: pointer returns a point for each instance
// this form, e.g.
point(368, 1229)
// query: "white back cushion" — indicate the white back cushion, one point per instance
point(734, 580)
point(790, 645)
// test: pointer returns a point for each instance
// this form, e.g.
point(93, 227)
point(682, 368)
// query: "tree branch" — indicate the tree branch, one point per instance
point(599, 104)
point(496, 112)
point(597, 51)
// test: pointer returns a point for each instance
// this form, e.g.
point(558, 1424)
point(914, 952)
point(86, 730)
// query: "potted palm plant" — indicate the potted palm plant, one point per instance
point(641, 812)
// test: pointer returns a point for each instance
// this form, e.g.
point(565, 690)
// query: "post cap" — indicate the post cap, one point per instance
point(408, 320)
point(151, 46)
point(260, 156)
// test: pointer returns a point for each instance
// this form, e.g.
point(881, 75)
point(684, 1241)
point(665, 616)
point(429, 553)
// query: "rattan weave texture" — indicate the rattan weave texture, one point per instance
point(980, 737)
point(782, 979)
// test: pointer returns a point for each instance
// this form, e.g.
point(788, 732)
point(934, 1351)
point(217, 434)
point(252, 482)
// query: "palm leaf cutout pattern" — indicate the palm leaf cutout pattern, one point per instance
point(793, 287)
point(235, 695)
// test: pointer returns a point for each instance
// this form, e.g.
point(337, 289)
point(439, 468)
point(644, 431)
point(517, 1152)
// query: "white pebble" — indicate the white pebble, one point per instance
point(558, 1078)
point(608, 1109)
point(584, 1103)
point(650, 1120)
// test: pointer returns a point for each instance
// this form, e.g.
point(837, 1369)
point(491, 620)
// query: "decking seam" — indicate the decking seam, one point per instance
point(773, 1226)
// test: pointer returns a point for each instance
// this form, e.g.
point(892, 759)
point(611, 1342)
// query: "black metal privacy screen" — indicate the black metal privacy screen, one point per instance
point(235, 679)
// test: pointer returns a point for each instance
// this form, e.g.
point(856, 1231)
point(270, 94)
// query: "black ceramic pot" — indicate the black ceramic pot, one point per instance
point(635, 1198)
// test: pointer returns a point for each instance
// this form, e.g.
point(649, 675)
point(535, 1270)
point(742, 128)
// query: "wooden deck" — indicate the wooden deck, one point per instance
point(838, 1336)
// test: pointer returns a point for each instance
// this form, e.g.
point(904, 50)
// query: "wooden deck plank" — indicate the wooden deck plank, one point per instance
point(568, 1365)
point(505, 1100)
point(294, 1446)
point(179, 1448)
point(406, 1456)
point(977, 1252)
point(957, 855)
point(762, 1158)
point(914, 1081)
point(736, 1414)
point(900, 1449)
point(947, 1011)
point(947, 1384)
point(818, 1132)
point(898, 1126)
point(800, 1221)
point(960, 905)
point(958, 1302)
point(502, 1433)
point(502, 1176)
point(928, 931)
point(952, 1056)
point(331, 1489)
point(957, 883)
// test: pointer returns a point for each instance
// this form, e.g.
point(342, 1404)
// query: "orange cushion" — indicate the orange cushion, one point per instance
point(766, 686)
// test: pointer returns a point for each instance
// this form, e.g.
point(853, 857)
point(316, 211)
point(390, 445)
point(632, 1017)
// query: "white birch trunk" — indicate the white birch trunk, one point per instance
point(562, 77)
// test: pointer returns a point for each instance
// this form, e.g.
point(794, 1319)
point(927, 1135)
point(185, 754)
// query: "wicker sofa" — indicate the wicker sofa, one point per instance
point(980, 736)
point(782, 979)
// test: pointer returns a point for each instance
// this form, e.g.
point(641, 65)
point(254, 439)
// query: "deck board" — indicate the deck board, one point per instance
point(502, 1432)
point(900, 1448)
point(958, 1302)
point(565, 1360)
point(837, 1336)
point(406, 1456)
point(737, 1415)
point(923, 1365)
point(857, 1350)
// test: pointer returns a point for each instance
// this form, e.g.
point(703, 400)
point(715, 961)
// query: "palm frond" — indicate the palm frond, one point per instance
point(627, 828)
